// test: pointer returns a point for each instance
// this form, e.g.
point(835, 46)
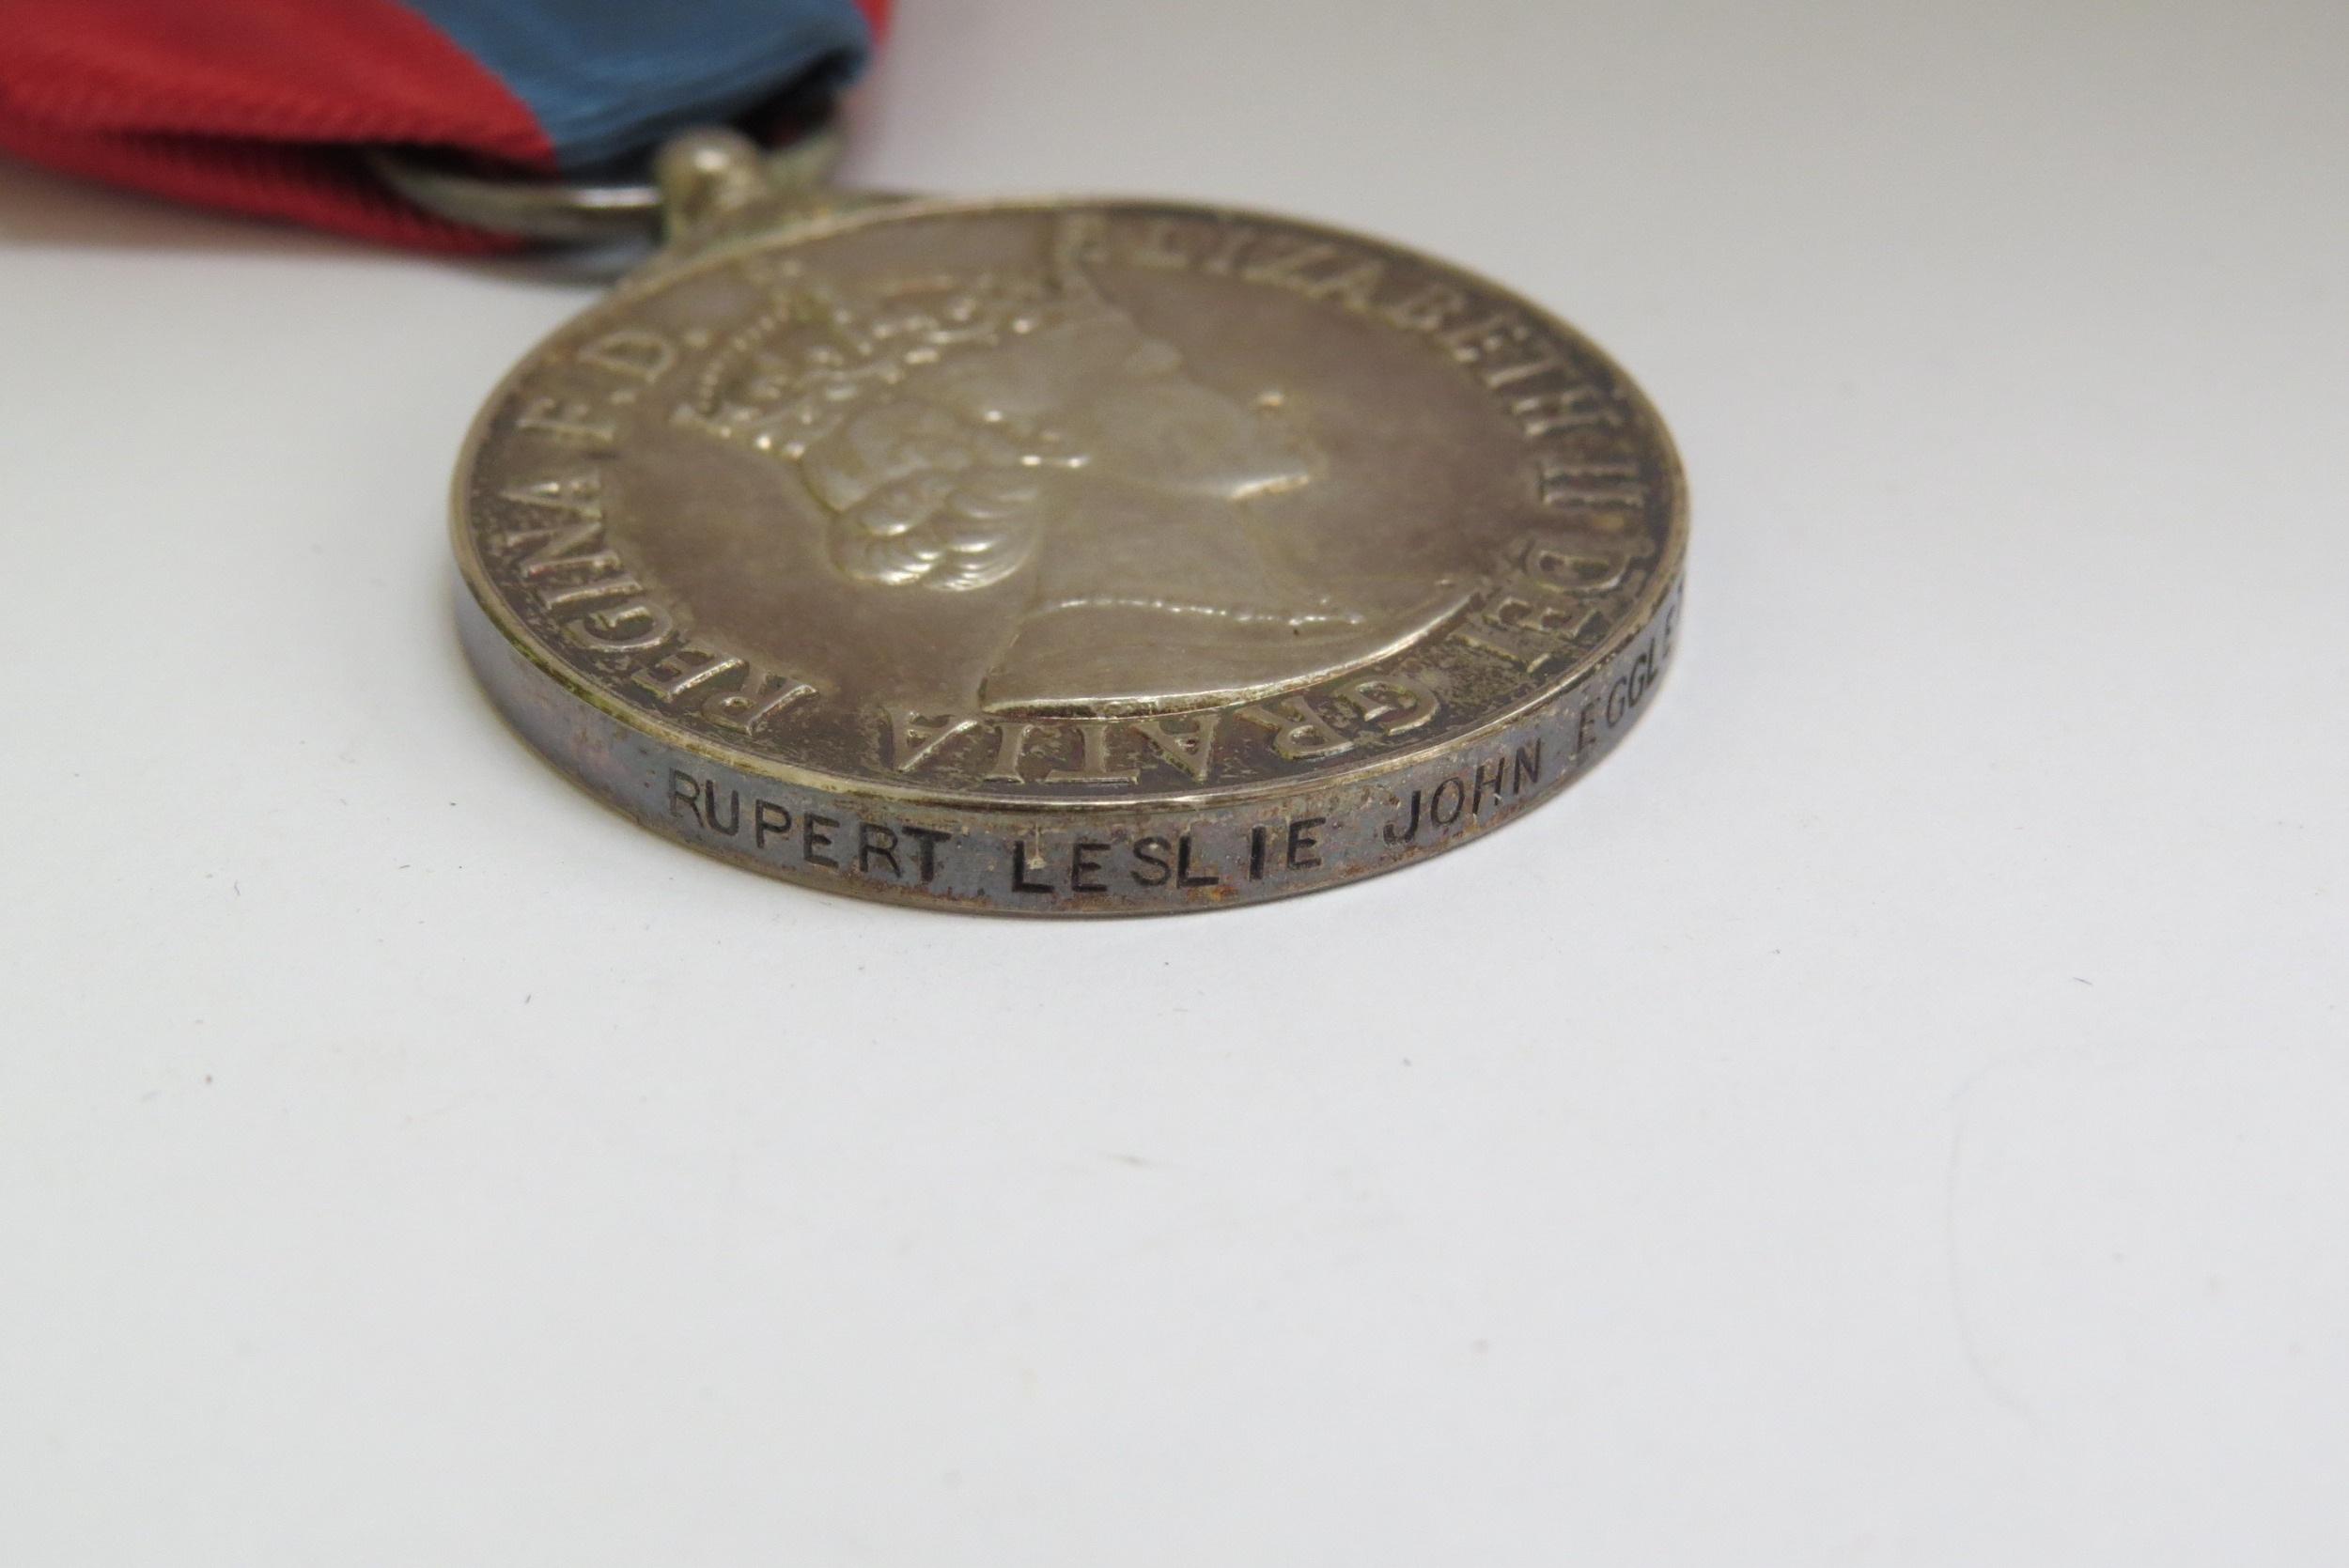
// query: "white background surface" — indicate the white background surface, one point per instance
point(1895, 1111)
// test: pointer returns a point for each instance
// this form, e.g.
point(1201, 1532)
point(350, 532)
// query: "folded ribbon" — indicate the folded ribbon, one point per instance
point(259, 105)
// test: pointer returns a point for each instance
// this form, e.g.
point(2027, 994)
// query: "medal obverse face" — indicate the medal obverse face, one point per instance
point(1068, 557)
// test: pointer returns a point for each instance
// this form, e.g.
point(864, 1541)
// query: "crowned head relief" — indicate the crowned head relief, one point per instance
point(1025, 436)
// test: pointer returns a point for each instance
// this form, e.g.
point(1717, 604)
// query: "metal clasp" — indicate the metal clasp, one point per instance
point(590, 213)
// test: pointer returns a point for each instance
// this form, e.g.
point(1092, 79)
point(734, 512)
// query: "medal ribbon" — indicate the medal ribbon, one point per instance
point(261, 106)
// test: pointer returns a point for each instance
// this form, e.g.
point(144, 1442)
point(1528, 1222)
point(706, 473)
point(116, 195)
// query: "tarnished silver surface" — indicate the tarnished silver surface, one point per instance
point(1068, 557)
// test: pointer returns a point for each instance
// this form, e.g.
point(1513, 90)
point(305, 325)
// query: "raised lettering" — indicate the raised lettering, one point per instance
point(1094, 767)
point(1481, 340)
point(1191, 749)
point(1571, 486)
point(1397, 704)
point(761, 696)
point(554, 600)
point(1287, 268)
point(1571, 567)
point(1011, 739)
point(915, 738)
point(1574, 408)
point(608, 631)
point(569, 422)
point(631, 351)
point(1525, 643)
point(559, 546)
point(581, 492)
point(1428, 309)
point(1297, 731)
point(675, 675)
point(1510, 375)
point(1355, 288)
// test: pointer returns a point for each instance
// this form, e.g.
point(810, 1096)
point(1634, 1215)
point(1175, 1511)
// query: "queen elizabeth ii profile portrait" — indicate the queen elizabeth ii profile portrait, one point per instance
point(1024, 440)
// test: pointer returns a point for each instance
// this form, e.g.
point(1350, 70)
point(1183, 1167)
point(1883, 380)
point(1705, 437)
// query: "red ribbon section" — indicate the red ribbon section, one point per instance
point(259, 106)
